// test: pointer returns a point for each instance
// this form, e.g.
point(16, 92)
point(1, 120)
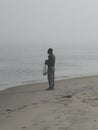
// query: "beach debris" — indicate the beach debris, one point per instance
point(8, 110)
point(67, 96)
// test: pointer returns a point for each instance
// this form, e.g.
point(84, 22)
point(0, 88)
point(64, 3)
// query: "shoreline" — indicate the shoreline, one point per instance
point(45, 81)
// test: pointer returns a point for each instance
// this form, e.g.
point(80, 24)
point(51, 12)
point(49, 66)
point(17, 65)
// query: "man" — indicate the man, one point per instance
point(51, 68)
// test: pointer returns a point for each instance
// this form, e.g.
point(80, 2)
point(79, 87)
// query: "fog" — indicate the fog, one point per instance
point(70, 22)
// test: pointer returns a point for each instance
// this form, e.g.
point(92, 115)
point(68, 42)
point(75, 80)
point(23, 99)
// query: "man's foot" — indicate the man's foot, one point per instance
point(48, 89)
point(53, 88)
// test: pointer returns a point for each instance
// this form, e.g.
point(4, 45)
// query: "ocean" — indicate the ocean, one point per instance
point(23, 63)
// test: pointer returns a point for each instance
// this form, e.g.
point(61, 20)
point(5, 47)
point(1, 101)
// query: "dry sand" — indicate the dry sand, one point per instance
point(73, 105)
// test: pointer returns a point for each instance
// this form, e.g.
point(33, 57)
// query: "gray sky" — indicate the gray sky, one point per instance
point(49, 21)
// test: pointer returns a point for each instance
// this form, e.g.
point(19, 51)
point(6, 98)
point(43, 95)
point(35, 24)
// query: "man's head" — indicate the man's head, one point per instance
point(50, 51)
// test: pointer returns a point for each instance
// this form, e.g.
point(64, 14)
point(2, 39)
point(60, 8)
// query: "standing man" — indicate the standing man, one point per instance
point(51, 68)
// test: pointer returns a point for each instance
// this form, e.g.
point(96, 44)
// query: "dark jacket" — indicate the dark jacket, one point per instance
point(51, 61)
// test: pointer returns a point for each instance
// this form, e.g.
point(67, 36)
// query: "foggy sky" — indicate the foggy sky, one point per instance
point(49, 21)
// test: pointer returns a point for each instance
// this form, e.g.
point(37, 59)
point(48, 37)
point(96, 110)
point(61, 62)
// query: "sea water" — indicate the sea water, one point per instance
point(23, 63)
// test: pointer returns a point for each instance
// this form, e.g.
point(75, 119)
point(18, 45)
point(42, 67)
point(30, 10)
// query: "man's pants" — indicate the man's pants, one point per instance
point(51, 71)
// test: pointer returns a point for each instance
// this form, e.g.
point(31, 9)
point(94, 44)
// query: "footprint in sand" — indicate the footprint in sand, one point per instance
point(35, 124)
point(46, 128)
point(58, 117)
point(24, 128)
point(35, 103)
point(42, 121)
point(22, 107)
point(63, 128)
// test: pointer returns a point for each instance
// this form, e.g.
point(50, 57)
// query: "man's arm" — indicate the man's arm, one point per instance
point(46, 62)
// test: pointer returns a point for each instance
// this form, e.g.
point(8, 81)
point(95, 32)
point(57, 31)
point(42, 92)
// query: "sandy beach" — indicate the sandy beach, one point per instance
point(73, 105)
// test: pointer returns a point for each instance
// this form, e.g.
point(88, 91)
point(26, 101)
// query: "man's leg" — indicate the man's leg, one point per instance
point(49, 78)
point(53, 72)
